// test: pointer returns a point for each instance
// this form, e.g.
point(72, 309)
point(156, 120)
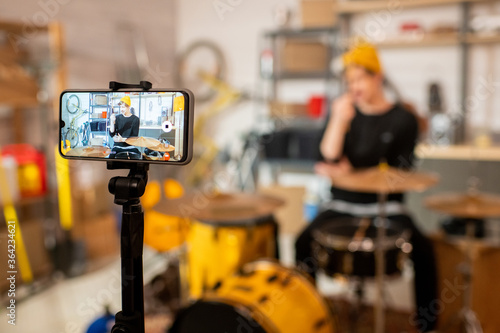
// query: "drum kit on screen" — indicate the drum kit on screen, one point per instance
point(236, 290)
point(153, 145)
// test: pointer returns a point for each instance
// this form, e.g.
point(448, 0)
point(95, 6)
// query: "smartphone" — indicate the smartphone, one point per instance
point(153, 126)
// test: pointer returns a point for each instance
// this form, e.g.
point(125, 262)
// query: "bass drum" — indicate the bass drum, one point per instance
point(262, 297)
point(218, 249)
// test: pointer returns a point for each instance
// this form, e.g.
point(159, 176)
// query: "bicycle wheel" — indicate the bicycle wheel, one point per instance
point(72, 137)
point(73, 104)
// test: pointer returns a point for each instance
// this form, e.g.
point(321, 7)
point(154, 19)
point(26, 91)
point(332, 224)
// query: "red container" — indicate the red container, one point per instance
point(316, 106)
point(31, 169)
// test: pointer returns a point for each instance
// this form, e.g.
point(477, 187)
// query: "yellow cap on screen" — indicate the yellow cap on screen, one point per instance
point(126, 100)
point(365, 55)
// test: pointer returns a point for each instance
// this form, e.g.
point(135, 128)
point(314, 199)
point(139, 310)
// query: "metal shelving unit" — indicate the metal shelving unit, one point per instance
point(276, 39)
point(463, 39)
point(101, 123)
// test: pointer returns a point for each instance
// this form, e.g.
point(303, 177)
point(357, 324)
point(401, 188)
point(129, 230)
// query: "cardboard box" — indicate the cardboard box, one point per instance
point(304, 56)
point(318, 13)
point(34, 241)
point(290, 216)
point(101, 236)
point(280, 109)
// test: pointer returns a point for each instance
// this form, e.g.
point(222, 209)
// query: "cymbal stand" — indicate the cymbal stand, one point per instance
point(380, 265)
point(466, 316)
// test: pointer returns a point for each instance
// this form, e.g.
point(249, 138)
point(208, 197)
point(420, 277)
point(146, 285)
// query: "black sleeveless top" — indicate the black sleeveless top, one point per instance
point(391, 136)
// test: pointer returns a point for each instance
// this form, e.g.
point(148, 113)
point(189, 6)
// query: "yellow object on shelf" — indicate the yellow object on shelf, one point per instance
point(14, 229)
point(64, 189)
point(179, 103)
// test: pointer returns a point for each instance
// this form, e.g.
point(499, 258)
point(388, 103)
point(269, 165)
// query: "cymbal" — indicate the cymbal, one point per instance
point(91, 151)
point(465, 205)
point(385, 179)
point(142, 141)
point(223, 208)
point(163, 148)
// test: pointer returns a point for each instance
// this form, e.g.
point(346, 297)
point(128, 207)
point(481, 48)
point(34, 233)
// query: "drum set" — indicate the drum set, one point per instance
point(226, 237)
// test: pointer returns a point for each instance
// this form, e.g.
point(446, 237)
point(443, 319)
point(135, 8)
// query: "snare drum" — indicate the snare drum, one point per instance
point(263, 297)
point(218, 249)
point(347, 246)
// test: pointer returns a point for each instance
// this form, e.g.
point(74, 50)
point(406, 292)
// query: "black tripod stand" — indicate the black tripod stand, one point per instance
point(127, 192)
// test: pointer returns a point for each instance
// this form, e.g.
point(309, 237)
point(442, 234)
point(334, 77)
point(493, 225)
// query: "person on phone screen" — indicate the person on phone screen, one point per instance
point(365, 129)
point(124, 126)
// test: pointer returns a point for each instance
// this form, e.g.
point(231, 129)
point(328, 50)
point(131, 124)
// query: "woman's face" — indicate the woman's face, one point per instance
point(362, 85)
point(124, 108)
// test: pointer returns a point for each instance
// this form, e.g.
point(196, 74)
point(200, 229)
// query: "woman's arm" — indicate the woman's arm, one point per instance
point(342, 113)
point(135, 127)
point(112, 125)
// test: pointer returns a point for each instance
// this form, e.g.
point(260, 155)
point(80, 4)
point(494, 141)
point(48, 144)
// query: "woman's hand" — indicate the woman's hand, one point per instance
point(118, 138)
point(340, 121)
point(333, 170)
point(343, 110)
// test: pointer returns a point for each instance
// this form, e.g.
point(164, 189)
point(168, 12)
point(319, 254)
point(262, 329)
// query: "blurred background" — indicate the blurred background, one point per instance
point(264, 74)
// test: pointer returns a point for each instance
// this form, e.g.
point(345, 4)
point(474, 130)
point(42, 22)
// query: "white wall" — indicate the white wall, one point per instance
point(237, 32)
point(96, 44)
point(92, 31)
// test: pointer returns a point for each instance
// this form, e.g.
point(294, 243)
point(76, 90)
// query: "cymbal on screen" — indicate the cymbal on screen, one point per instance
point(92, 151)
point(385, 179)
point(163, 148)
point(142, 141)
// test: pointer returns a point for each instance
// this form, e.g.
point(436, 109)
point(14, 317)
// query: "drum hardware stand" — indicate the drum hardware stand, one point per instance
point(379, 309)
point(127, 192)
point(466, 315)
point(356, 310)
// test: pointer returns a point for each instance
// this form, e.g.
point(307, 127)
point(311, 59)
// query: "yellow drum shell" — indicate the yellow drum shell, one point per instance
point(164, 232)
point(216, 251)
point(279, 299)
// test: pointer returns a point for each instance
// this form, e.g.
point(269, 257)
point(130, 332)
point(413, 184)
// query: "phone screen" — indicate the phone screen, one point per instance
point(153, 126)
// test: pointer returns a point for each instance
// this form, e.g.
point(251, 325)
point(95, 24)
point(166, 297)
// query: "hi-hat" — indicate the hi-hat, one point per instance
point(142, 141)
point(466, 205)
point(385, 179)
point(229, 208)
point(163, 148)
point(92, 151)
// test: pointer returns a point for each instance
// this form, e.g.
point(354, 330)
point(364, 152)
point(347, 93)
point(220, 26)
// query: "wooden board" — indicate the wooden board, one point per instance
point(485, 286)
point(350, 7)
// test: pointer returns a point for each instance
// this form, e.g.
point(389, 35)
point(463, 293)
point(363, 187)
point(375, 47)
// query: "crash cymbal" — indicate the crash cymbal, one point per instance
point(223, 208)
point(142, 141)
point(92, 151)
point(466, 205)
point(163, 148)
point(385, 179)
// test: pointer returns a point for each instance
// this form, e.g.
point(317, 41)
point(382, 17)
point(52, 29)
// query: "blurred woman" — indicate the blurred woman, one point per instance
point(365, 129)
point(122, 127)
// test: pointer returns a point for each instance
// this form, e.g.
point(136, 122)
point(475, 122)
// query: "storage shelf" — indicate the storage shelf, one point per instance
point(458, 152)
point(351, 7)
point(482, 39)
point(426, 40)
point(300, 32)
point(302, 75)
point(430, 40)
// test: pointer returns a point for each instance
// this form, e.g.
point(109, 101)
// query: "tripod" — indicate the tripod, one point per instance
point(127, 192)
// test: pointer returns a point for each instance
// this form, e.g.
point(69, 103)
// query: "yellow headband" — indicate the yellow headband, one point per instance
point(365, 55)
